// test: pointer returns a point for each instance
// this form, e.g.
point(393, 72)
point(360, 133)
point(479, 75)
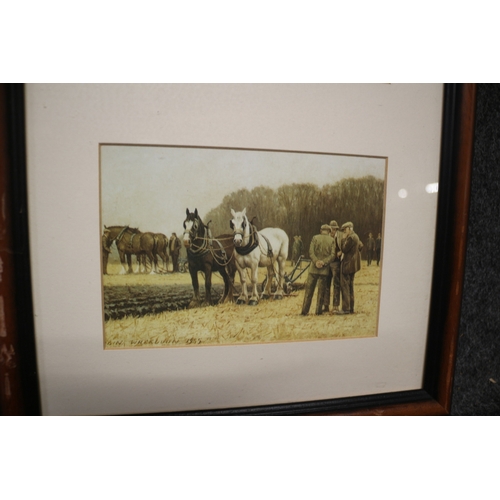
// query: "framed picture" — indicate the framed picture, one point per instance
point(191, 247)
point(242, 255)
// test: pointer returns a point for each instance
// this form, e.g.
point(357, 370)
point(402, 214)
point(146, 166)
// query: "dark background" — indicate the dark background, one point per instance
point(476, 388)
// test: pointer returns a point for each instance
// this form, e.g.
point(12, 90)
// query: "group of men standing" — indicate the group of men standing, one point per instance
point(335, 256)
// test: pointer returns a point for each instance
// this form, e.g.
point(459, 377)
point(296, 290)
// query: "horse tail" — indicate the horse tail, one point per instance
point(155, 243)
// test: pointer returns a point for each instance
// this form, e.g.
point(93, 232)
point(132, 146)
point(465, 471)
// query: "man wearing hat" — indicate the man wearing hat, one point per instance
point(321, 253)
point(334, 274)
point(351, 264)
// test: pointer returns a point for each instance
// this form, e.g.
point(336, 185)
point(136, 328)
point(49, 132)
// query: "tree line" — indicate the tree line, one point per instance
point(301, 209)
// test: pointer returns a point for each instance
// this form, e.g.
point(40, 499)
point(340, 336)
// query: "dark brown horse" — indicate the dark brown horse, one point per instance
point(207, 254)
point(130, 241)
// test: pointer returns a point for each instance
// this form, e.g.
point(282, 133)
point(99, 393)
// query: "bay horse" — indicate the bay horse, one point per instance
point(160, 250)
point(208, 255)
point(158, 247)
point(130, 241)
point(256, 249)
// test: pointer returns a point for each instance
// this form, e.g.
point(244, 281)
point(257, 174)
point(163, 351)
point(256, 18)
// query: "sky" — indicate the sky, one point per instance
point(150, 187)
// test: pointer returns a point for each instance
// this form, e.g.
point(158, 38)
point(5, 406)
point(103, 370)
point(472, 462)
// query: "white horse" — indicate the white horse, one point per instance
point(256, 249)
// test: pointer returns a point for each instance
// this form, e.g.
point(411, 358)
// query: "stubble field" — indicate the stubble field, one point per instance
point(150, 311)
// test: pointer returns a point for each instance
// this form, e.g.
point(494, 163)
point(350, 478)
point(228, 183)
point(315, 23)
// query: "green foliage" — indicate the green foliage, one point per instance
point(301, 209)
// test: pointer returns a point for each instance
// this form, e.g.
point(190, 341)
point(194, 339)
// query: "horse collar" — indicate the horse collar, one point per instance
point(251, 245)
point(122, 232)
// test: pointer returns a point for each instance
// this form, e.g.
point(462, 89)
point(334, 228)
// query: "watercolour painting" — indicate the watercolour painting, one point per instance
point(236, 224)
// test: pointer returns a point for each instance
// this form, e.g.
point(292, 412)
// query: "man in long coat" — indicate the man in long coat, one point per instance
point(370, 249)
point(351, 264)
point(321, 252)
point(378, 248)
point(334, 274)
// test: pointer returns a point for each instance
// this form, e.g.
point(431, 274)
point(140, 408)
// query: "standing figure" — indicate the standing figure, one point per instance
point(105, 251)
point(351, 264)
point(334, 274)
point(370, 248)
point(175, 248)
point(295, 250)
point(322, 253)
point(378, 247)
point(301, 246)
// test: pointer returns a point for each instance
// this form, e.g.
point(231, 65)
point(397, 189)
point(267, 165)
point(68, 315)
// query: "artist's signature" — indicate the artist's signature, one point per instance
point(151, 342)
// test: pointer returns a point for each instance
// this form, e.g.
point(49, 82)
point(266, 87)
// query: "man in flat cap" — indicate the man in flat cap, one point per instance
point(334, 274)
point(322, 253)
point(351, 264)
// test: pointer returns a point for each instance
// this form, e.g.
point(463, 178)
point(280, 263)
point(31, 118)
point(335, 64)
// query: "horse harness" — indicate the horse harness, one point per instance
point(207, 243)
point(120, 235)
point(132, 236)
point(254, 243)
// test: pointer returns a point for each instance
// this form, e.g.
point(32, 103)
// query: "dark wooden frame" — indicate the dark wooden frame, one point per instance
point(20, 376)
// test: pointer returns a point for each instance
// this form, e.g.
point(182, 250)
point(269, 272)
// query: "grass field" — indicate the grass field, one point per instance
point(228, 324)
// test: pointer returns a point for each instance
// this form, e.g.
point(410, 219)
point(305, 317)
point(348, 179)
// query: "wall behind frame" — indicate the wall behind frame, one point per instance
point(476, 389)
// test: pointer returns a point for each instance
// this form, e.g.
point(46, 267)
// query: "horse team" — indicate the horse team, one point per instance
point(244, 248)
point(146, 247)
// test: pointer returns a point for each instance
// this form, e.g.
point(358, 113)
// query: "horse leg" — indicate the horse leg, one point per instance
point(231, 274)
point(208, 285)
point(254, 299)
point(228, 286)
point(223, 273)
point(153, 261)
point(243, 298)
point(281, 276)
point(129, 262)
point(123, 270)
point(227, 273)
point(266, 293)
point(195, 301)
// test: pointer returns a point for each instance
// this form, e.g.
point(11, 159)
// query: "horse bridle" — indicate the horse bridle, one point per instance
point(252, 234)
point(243, 227)
point(193, 234)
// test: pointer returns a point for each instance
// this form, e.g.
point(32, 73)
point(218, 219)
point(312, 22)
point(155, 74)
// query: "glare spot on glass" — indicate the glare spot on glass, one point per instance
point(402, 193)
point(432, 188)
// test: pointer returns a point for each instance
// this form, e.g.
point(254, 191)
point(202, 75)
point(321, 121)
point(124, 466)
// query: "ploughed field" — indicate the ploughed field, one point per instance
point(141, 300)
point(150, 310)
point(138, 295)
